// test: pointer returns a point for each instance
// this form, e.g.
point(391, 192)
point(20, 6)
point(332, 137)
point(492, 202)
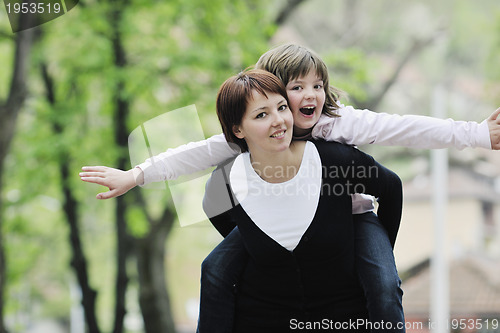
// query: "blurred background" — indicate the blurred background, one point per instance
point(73, 89)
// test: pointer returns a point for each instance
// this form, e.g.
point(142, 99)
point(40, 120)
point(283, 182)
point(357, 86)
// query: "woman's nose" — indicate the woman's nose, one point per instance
point(278, 119)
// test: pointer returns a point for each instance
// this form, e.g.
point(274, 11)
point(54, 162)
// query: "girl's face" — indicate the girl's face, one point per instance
point(267, 123)
point(307, 97)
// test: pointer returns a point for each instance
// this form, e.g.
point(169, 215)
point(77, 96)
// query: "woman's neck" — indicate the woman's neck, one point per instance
point(278, 167)
point(300, 133)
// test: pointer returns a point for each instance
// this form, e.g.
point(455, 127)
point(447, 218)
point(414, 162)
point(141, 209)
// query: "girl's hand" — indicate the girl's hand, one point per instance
point(494, 126)
point(117, 181)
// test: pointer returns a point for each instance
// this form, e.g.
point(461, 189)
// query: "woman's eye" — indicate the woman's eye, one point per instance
point(283, 107)
point(261, 115)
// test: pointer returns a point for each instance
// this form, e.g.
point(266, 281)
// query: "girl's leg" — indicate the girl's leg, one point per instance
point(220, 272)
point(378, 275)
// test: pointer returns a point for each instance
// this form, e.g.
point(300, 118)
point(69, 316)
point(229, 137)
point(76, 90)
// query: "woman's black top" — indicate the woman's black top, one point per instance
point(315, 285)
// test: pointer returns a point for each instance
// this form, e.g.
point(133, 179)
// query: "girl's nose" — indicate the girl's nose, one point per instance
point(309, 93)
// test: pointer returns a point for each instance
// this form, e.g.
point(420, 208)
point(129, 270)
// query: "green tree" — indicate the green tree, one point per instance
point(127, 50)
point(9, 111)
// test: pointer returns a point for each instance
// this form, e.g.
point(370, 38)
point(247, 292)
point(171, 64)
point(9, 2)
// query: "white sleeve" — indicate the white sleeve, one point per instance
point(360, 127)
point(187, 159)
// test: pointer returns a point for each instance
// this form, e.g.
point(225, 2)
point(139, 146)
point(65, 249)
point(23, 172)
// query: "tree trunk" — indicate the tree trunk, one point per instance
point(123, 252)
point(70, 207)
point(153, 295)
point(9, 111)
point(286, 11)
point(79, 261)
point(121, 112)
point(123, 238)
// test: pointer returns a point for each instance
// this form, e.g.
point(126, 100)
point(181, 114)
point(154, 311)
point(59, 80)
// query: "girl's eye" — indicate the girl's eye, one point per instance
point(296, 88)
point(283, 107)
point(261, 115)
point(318, 86)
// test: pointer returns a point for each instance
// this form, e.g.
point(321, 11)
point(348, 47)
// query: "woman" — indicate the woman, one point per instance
point(294, 212)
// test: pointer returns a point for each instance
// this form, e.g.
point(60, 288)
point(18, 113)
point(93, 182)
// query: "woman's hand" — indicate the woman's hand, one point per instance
point(117, 181)
point(494, 126)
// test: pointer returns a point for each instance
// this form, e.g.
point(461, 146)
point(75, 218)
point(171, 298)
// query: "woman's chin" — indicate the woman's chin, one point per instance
point(283, 145)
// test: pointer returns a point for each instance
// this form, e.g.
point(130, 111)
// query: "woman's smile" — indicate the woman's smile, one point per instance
point(279, 134)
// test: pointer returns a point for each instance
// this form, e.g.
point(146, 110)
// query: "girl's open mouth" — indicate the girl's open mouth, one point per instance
point(308, 110)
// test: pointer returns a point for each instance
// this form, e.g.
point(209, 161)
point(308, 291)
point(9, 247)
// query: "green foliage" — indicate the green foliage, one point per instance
point(37, 275)
point(136, 222)
point(492, 65)
point(471, 34)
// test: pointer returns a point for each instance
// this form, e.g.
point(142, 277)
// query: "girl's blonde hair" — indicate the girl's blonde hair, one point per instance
point(290, 61)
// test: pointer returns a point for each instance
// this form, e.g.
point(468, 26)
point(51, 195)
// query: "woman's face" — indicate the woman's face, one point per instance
point(267, 123)
point(307, 97)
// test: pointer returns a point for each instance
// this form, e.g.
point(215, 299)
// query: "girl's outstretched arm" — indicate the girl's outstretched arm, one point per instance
point(359, 127)
point(117, 181)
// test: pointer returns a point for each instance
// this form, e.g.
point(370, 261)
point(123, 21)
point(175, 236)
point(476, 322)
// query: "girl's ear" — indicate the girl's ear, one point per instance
point(237, 132)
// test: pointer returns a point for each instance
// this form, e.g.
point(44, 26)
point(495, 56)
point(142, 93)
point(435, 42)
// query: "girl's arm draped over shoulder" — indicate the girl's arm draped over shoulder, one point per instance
point(187, 159)
point(359, 127)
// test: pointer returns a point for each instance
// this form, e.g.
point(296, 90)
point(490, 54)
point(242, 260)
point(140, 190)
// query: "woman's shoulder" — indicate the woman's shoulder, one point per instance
point(323, 145)
point(332, 152)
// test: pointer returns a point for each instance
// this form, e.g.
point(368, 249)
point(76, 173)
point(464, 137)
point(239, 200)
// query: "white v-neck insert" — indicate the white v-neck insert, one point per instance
point(285, 210)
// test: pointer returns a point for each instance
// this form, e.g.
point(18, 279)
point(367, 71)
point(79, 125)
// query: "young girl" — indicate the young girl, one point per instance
point(318, 113)
point(300, 268)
